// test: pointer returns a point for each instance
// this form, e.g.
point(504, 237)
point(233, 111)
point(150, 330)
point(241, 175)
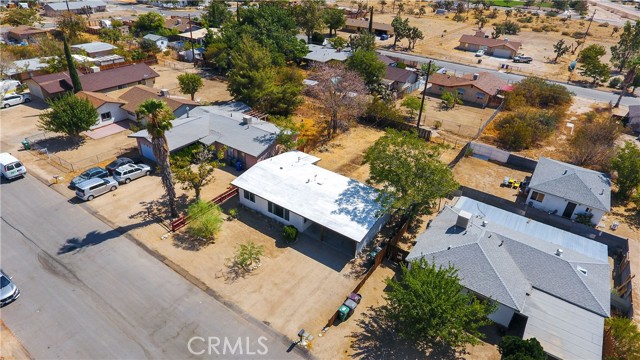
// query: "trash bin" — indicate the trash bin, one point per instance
point(239, 165)
point(26, 145)
point(479, 61)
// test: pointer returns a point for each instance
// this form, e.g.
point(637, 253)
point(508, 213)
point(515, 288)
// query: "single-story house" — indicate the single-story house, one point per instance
point(548, 284)
point(633, 117)
point(386, 60)
point(108, 60)
point(26, 69)
point(324, 54)
point(160, 41)
point(109, 108)
point(94, 49)
point(138, 94)
point(247, 139)
point(187, 55)
point(180, 23)
point(85, 7)
point(25, 33)
point(402, 81)
point(355, 25)
point(51, 85)
point(197, 35)
point(503, 48)
point(291, 189)
point(482, 88)
point(568, 190)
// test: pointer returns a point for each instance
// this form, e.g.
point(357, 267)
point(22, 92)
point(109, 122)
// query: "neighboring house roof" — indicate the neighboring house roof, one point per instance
point(75, 5)
point(94, 47)
point(224, 125)
point(154, 37)
point(182, 24)
point(198, 34)
point(331, 200)
point(98, 99)
point(573, 183)
point(102, 80)
point(365, 24)
point(138, 94)
point(479, 39)
point(24, 30)
point(485, 81)
point(634, 111)
point(400, 75)
point(385, 59)
point(323, 54)
point(510, 266)
point(20, 66)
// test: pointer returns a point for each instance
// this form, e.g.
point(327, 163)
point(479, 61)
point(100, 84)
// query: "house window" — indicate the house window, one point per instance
point(537, 196)
point(278, 211)
point(479, 95)
point(105, 116)
point(440, 88)
point(249, 196)
point(460, 91)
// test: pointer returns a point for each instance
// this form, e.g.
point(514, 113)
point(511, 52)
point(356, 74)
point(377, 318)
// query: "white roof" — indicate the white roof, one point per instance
point(336, 202)
point(324, 54)
point(198, 34)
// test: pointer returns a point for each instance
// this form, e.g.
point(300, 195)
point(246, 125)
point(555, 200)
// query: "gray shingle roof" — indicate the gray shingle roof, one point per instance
point(207, 124)
point(74, 5)
point(93, 47)
point(504, 264)
point(634, 111)
point(580, 185)
point(154, 37)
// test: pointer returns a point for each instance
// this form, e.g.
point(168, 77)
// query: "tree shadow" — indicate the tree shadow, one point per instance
point(357, 202)
point(58, 143)
point(158, 209)
point(183, 240)
point(93, 238)
point(378, 339)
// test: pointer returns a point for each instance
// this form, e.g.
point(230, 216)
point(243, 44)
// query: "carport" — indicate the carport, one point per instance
point(335, 240)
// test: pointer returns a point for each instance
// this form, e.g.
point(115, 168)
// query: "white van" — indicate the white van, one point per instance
point(11, 167)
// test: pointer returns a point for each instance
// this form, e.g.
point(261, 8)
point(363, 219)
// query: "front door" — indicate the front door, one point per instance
point(568, 211)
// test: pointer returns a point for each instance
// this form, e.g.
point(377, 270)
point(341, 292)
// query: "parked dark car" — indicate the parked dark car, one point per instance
point(117, 163)
point(94, 172)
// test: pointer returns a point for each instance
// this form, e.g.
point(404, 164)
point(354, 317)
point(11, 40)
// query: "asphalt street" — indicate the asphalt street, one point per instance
point(586, 93)
point(89, 293)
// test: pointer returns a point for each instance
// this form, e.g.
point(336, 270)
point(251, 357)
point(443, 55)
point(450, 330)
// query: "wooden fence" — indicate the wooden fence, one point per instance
point(182, 220)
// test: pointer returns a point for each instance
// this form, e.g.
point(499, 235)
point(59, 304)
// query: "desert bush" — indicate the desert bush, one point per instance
point(206, 220)
point(615, 82)
point(536, 92)
point(233, 213)
point(551, 14)
point(537, 29)
point(604, 24)
point(593, 142)
point(289, 233)
point(458, 18)
point(566, 33)
point(524, 128)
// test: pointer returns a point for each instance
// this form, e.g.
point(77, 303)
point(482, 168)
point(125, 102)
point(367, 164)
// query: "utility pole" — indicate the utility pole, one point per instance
point(424, 94)
point(193, 49)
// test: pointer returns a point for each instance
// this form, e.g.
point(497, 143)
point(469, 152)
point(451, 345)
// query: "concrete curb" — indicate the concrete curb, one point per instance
point(305, 353)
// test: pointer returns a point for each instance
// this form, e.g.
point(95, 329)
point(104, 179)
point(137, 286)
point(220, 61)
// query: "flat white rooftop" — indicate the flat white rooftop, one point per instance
point(336, 202)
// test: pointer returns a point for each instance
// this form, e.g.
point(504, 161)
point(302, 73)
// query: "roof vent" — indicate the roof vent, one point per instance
point(602, 192)
point(476, 76)
point(164, 92)
point(449, 247)
point(565, 172)
point(464, 217)
point(484, 223)
point(582, 270)
point(559, 252)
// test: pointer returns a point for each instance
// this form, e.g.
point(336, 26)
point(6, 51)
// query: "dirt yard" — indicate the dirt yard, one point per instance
point(10, 346)
point(214, 90)
point(487, 176)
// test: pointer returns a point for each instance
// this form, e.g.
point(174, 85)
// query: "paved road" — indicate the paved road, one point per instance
point(598, 95)
point(88, 292)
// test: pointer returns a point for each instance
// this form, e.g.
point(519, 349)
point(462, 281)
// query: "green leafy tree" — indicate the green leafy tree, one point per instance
point(409, 173)
point(413, 35)
point(560, 49)
point(159, 118)
point(362, 41)
point(626, 164)
point(367, 64)
point(194, 167)
point(151, 47)
point(334, 19)
point(216, 14)
point(289, 136)
point(429, 306)
point(412, 103)
point(110, 35)
point(450, 100)
point(525, 127)
point(206, 220)
point(422, 11)
point(248, 255)
point(71, 25)
point(20, 16)
point(627, 47)
point(592, 66)
point(149, 23)
point(481, 22)
point(69, 115)
point(71, 66)
point(515, 348)
point(190, 84)
point(400, 29)
point(538, 93)
point(337, 42)
point(309, 16)
point(621, 339)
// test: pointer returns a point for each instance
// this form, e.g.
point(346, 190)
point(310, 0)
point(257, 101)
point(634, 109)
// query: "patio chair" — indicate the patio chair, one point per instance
point(615, 225)
point(505, 181)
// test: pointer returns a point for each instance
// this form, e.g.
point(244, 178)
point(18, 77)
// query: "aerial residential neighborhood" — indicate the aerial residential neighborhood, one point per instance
point(320, 179)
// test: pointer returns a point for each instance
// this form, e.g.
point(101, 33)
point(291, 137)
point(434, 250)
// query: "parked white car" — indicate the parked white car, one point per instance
point(480, 52)
point(125, 173)
point(15, 99)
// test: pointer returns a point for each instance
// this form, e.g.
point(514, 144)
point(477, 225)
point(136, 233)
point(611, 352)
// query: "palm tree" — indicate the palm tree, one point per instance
point(159, 118)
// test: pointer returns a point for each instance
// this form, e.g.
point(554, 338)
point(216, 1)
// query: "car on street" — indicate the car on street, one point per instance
point(15, 99)
point(124, 174)
point(117, 163)
point(9, 292)
point(94, 172)
point(522, 59)
point(10, 167)
point(480, 52)
point(89, 189)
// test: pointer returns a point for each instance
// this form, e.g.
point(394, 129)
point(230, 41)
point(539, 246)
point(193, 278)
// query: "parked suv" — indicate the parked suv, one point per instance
point(94, 172)
point(522, 59)
point(15, 99)
point(126, 173)
point(88, 190)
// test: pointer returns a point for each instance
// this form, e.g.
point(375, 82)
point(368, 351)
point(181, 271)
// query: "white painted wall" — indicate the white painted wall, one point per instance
point(551, 203)
point(117, 114)
point(502, 315)
point(372, 233)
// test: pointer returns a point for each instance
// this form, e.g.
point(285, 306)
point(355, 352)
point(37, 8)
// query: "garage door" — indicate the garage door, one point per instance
point(502, 53)
point(147, 151)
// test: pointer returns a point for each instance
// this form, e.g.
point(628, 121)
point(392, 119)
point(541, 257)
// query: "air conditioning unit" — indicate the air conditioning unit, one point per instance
point(164, 92)
point(464, 218)
point(247, 119)
point(94, 69)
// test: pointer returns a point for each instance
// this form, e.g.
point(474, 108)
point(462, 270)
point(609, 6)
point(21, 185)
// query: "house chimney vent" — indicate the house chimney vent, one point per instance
point(476, 76)
point(602, 192)
point(484, 223)
point(164, 92)
point(565, 172)
point(464, 218)
point(559, 252)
